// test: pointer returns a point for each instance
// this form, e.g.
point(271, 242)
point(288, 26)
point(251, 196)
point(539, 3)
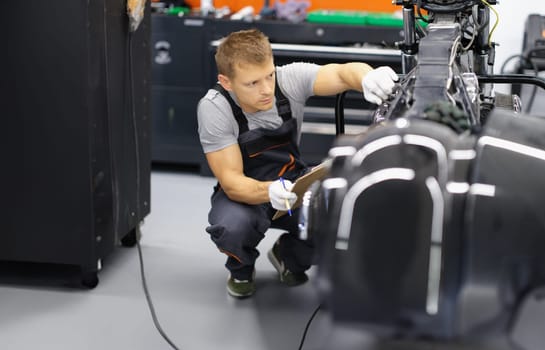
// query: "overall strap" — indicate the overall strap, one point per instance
point(282, 103)
point(237, 111)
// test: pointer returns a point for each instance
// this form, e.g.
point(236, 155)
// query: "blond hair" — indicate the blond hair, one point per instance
point(245, 46)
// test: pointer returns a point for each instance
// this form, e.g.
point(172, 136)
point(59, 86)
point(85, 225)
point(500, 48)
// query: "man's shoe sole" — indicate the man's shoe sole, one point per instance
point(238, 295)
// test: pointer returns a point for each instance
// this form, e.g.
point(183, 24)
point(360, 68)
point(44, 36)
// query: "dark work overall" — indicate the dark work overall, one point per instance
point(237, 228)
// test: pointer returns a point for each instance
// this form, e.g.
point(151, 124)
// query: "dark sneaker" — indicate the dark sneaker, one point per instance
point(286, 276)
point(240, 288)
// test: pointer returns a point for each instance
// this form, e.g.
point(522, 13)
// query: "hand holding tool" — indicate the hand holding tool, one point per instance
point(378, 84)
point(280, 196)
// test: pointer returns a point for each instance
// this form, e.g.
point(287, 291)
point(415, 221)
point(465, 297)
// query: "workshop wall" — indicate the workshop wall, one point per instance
point(510, 31)
point(369, 5)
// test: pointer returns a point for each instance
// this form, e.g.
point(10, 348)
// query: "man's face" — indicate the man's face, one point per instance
point(253, 85)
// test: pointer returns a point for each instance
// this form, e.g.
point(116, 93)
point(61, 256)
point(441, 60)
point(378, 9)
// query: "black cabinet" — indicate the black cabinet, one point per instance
point(175, 125)
point(179, 55)
point(179, 79)
point(77, 109)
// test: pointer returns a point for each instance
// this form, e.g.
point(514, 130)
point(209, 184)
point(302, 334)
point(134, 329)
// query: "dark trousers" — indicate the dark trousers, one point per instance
point(237, 228)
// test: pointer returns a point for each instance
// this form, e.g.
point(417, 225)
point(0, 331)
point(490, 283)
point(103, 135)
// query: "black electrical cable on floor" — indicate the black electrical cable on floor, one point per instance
point(148, 299)
point(137, 229)
point(308, 326)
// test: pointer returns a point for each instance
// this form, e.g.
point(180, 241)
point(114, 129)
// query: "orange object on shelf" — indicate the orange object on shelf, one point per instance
point(362, 5)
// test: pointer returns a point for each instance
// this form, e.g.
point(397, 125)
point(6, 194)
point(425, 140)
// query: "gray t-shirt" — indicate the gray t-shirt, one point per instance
point(217, 125)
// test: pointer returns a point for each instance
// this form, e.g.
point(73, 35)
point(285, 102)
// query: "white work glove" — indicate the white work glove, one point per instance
point(280, 195)
point(378, 84)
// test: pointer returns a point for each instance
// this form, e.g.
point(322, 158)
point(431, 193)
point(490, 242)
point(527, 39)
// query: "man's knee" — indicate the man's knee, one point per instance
point(237, 232)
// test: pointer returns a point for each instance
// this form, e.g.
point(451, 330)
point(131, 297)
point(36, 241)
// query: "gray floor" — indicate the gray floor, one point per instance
point(186, 280)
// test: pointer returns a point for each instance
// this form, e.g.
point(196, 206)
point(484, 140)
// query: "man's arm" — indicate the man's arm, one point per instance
point(335, 78)
point(376, 84)
point(227, 166)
